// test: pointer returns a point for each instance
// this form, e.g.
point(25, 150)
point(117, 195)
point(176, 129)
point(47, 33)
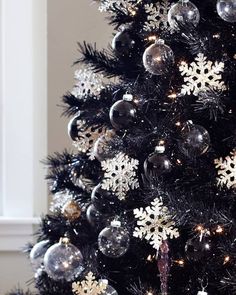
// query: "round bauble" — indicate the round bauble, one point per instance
point(123, 114)
point(183, 13)
point(102, 149)
point(71, 210)
point(123, 42)
point(103, 200)
point(96, 218)
point(73, 127)
point(195, 140)
point(227, 10)
point(63, 261)
point(158, 58)
point(37, 254)
point(109, 289)
point(197, 248)
point(114, 240)
point(156, 165)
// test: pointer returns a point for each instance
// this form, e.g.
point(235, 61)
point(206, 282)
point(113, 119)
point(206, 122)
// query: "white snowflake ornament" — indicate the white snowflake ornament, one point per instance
point(155, 224)
point(127, 6)
point(157, 15)
point(120, 174)
point(227, 171)
point(89, 286)
point(202, 74)
point(86, 138)
point(87, 83)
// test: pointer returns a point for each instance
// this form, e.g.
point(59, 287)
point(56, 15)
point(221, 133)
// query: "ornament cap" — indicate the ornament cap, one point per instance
point(64, 241)
point(116, 223)
point(160, 149)
point(128, 97)
point(160, 41)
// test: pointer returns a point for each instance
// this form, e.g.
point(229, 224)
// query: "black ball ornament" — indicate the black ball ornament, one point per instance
point(195, 140)
point(157, 164)
point(73, 127)
point(103, 200)
point(123, 42)
point(123, 113)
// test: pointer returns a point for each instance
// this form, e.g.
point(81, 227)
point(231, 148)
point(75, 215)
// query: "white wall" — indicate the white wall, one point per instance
point(69, 21)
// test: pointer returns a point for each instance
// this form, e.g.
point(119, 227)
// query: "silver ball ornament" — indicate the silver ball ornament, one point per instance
point(227, 10)
point(37, 254)
point(63, 261)
point(158, 58)
point(114, 240)
point(183, 12)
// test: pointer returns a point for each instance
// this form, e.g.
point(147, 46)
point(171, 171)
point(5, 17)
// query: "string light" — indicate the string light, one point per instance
point(219, 229)
point(180, 262)
point(226, 259)
point(178, 124)
point(152, 38)
point(150, 258)
point(173, 96)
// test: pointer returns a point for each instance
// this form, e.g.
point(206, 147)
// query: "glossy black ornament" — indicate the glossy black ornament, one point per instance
point(123, 114)
point(123, 42)
point(156, 165)
point(198, 247)
point(103, 200)
point(195, 140)
point(73, 127)
point(96, 218)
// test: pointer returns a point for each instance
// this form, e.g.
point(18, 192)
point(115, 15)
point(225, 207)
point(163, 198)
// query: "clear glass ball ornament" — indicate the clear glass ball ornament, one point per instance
point(227, 10)
point(63, 261)
point(109, 290)
point(102, 149)
point(157, 164)
point(182, 13)
point(114, 240)
point(195, 140)
point(158, 58)
point(123, 114)
point(37, 254)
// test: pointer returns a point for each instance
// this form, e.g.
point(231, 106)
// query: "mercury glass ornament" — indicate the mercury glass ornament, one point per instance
point(123, 113)
point(227, 10)
point(114, 240)
point(157, 164)
point(73, 127)
point(109, 290)
point(37, 254)
point(158, 58)
point(195, 140)
point(63, 261)
point(71, 210)
point(123, 42)
point(197, 248)
point(182, 13)
point(102, 149)
point(103, 200)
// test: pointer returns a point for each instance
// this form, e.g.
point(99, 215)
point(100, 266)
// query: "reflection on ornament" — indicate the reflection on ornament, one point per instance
point(227, 10)
point(37, 254)
point(158, 58)
point(63, 261)
point(71, 210)
point(182, 13)
point(113, 241)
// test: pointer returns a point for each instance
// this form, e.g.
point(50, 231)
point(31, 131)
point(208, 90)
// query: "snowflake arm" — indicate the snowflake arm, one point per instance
point(201, 75)
point(227, 171)
point(155, 224)
point(89, 286)
point(124, 5)
point(120, 174)
point(157, 15)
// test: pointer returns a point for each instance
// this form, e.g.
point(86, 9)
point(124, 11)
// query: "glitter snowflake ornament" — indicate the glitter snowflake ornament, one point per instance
point(89, 286)
point(155, 224)
point(120, 174)
point(157, 15)
point(227, 171)
point(87, 83)
point(84, 137)
point(125, 5)
point(201, 75)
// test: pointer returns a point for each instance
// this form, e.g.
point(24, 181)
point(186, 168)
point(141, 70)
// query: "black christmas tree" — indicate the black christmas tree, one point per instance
point(146, 203)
